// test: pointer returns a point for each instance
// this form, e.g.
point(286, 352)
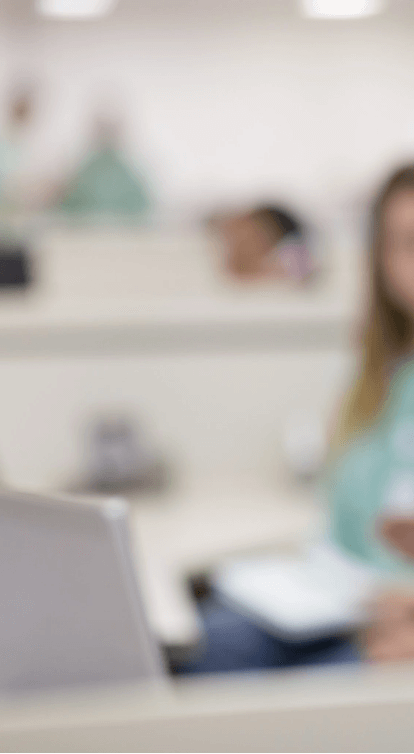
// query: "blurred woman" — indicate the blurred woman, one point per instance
point(19, 116)
point(15, 267)
point(267, 243)
point(106, 184)
point(370, 475)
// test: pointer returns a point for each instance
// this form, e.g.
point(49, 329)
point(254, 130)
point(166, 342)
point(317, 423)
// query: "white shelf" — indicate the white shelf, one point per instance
point(140, 291)
point(33, 325)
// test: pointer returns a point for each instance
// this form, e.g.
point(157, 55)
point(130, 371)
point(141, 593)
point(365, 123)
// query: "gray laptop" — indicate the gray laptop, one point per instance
point(70, 607)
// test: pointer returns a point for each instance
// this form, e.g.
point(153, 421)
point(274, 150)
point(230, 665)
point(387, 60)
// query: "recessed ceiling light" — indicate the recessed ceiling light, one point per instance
point(75, 8)
point(341, 8)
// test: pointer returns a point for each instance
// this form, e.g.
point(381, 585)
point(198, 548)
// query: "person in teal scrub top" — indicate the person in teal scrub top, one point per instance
point(15, 262)
point(19, 115)
point(371, 479)
point(106, 184)
point(370, 475)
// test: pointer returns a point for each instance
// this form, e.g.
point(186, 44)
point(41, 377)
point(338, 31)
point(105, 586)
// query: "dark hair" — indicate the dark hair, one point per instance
point(277, 218)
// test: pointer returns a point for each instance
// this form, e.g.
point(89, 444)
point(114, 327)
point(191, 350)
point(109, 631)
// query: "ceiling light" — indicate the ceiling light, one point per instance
point(75, 8)
point(341, 8)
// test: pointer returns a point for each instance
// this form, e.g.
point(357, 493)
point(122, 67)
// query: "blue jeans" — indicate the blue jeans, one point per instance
point(234, 643)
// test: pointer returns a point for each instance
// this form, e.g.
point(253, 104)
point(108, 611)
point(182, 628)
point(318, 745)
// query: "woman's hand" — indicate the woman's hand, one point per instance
point(399, 533)
point(391, 636)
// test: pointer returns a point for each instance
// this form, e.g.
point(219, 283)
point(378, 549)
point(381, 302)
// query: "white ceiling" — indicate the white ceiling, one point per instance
point(23, 10)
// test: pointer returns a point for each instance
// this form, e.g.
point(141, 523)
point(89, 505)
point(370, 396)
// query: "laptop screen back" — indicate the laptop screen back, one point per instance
point(70, 608)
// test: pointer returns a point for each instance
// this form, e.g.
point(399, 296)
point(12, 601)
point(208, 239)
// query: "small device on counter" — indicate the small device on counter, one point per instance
point(119, 458)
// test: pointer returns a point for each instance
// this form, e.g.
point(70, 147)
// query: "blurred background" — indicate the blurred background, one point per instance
point(132, 359)
point(138, 124)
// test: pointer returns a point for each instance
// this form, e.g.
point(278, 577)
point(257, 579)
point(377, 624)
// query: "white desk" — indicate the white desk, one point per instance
point(193, 528)
point(355, 709)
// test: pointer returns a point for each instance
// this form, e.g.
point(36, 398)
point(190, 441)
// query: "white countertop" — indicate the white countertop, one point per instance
point(38, 310)
point(338, 709)
point(138, 283)
point(193, 529)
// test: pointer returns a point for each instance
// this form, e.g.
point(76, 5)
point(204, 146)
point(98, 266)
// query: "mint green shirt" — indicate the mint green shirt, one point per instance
point(375, 479)
point(105, 184)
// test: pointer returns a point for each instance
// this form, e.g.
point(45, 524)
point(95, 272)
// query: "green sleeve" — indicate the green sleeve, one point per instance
point(346, 507)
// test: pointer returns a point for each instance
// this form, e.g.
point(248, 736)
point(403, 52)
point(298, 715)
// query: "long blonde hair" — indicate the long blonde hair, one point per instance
point(387, 333)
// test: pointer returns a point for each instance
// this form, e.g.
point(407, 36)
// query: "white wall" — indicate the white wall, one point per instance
point(213, 414)
point(227, 100)
point(213, 371)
